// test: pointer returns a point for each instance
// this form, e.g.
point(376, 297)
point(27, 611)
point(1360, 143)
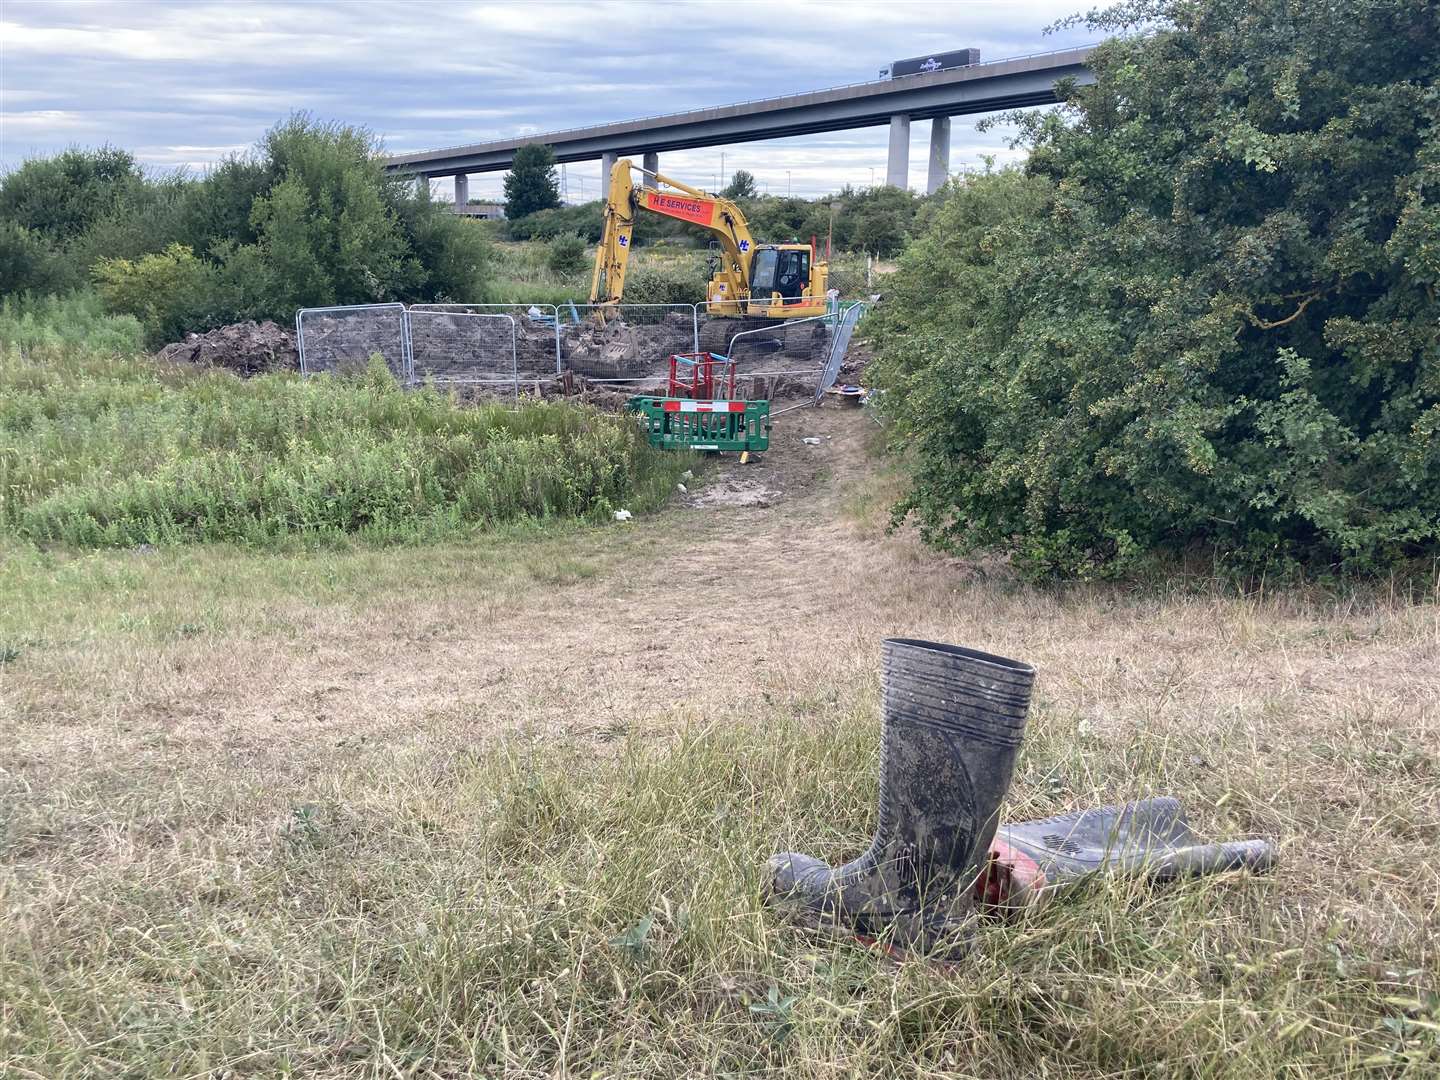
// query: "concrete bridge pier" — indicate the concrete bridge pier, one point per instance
point(607, 164)
point(651, 164)
point(897, 171)
point(939, 154)
point(422, 184)
point(462, 189)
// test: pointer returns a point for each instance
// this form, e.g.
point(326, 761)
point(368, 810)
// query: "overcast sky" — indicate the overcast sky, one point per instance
point(181, 84)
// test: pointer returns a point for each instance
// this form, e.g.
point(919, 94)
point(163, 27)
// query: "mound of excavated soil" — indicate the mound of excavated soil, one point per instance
point(246, 348)
point(619, 349)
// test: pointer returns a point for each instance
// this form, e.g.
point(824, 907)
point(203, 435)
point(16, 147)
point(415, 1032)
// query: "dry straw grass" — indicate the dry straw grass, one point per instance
point(498, 809)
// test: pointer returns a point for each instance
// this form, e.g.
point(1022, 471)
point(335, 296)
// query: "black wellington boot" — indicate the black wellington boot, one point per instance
point(953, 720)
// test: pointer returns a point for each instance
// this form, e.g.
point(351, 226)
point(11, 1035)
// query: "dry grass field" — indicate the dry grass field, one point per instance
point(499, 807)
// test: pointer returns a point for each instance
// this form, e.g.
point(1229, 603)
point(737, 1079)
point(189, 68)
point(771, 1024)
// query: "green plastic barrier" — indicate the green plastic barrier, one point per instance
point(683, 424)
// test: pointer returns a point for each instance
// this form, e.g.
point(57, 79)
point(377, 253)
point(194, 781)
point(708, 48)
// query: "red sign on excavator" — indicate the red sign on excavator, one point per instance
point(679, 207)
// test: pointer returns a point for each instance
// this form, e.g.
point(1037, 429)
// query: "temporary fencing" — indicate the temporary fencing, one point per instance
point(537, 344)
point(846, 321)
point(625, 343)
point(500, 347)
point(464, 347)
point(782, 356)
point(337, 339)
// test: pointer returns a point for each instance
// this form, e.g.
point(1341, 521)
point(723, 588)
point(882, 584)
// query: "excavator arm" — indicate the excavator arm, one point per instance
point(718, 216)
point(612, 257)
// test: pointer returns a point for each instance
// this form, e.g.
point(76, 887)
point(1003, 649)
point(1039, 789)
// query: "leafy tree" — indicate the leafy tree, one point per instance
point(309, 218)
point(294, 241)
point(27, 262)
point(451, 251)
point(60, 201)
point(878, 229)
point(777, 219)
point(742, 186)
point(217, 209)
point(532, 183)
point(142, 219)
point(62, 196)
point(1207, 312)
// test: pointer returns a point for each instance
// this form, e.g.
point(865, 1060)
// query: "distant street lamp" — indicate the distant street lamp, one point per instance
point(830, 236)
point(787, 183)
point(872, 175)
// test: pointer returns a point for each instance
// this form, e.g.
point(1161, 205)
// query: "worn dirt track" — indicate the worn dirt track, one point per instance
point(762, 584)
point(709, 598)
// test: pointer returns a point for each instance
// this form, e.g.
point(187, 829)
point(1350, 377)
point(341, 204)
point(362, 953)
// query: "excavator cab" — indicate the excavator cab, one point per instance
point(777, 269)
point(780, 278)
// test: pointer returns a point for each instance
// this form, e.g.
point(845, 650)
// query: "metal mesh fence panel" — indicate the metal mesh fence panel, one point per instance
point(537, 343)
point(778, 358)
point(342, 339)
point(851, 282)
point(846, 322)
point(465, 347)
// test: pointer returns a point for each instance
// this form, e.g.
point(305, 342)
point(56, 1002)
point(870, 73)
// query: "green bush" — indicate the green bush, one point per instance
point(586, 220)
point(879, 219)
point(167, 292)
point(1207, 314)
point(97, 450)
point(566, 255)
point(680, 281)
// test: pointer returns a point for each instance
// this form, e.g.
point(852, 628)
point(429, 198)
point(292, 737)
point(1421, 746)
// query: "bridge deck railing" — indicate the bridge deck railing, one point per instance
point(548, 136)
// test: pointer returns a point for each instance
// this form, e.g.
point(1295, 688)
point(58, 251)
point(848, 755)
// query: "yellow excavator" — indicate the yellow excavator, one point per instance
point(762, 281)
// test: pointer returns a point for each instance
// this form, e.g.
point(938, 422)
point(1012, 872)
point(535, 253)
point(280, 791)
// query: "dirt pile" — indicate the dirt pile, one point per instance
point(626, 348)
point(246, 348)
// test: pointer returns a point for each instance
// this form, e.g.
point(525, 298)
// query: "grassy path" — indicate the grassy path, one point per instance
point(497, 807)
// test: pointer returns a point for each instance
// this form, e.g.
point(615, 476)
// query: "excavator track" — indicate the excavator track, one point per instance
point(806, 342)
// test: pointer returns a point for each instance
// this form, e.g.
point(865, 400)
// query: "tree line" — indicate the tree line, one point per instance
point(307, 218)
point(879, 220)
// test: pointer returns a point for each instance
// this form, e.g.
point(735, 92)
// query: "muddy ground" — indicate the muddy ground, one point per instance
point(459, 346)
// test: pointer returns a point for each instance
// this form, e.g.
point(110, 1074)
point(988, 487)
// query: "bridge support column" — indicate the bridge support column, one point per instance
point(897, 170)
point(462, 189)
point(422, 184)
point(939, 154)
point(607, 164)
point(652, 165)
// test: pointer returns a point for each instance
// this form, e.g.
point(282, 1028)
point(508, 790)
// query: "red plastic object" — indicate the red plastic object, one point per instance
point(1009, 882)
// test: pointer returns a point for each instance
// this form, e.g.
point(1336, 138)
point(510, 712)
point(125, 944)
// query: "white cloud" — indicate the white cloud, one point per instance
point(177, 81)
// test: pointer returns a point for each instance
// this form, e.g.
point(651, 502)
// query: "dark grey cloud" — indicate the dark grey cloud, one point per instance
point(182, 84)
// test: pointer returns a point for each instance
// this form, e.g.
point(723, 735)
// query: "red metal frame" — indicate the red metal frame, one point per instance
point(704, 382)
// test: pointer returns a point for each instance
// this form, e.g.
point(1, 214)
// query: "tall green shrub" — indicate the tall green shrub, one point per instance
point(566, 254)
point(1207, 313)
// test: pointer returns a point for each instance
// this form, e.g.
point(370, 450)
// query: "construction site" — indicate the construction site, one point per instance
point(770, 313)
